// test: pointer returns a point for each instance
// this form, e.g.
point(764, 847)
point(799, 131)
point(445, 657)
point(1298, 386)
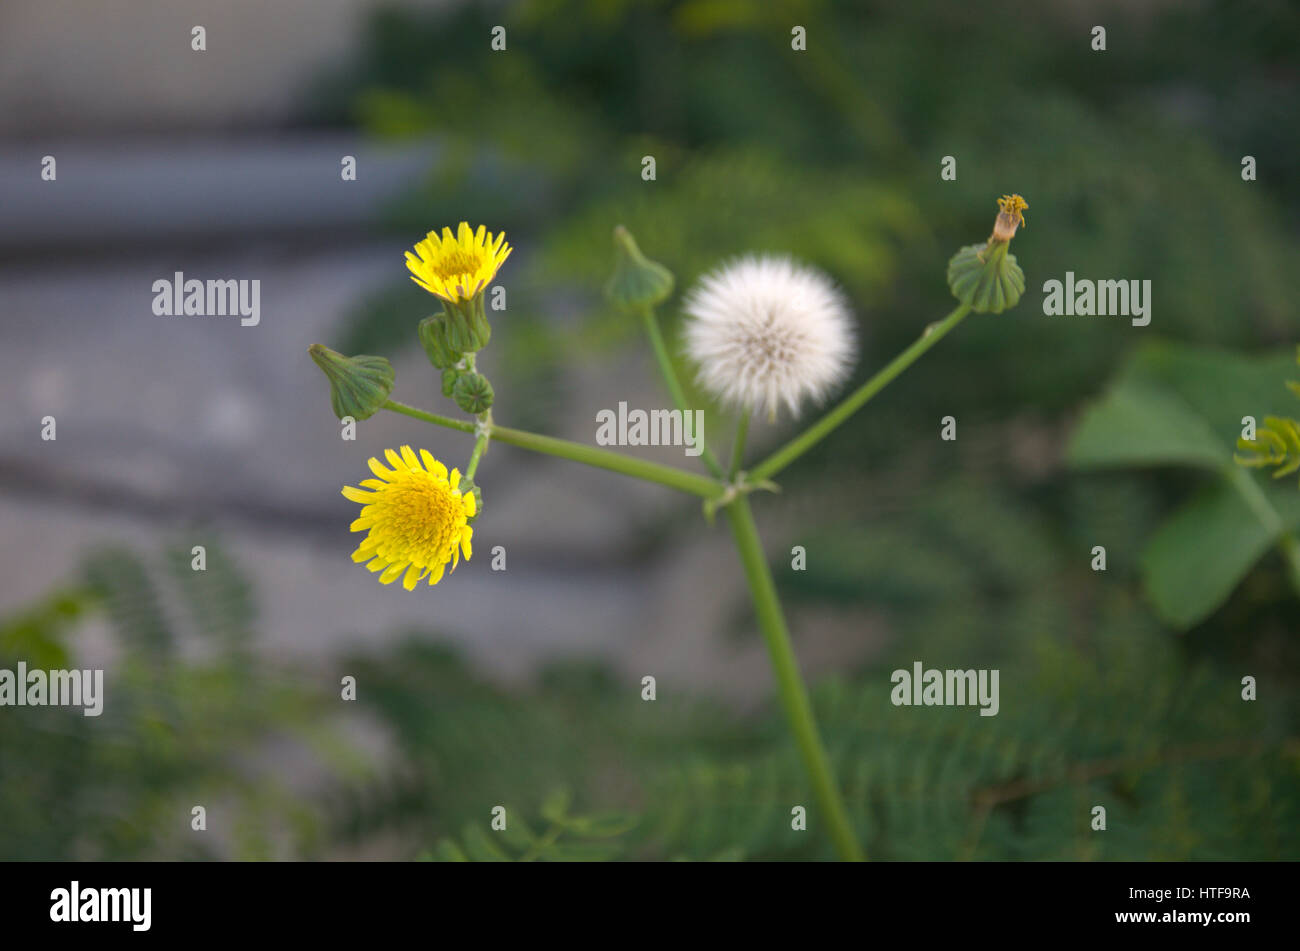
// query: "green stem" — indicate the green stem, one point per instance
point(672, 477)
point(790, 686)
point(738, 446)
point(674, 385)
point(854, 402)
point(463, 425)
point(480, 444)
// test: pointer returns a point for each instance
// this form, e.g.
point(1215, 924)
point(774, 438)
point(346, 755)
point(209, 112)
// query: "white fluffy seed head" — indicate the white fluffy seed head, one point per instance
point(765, 331)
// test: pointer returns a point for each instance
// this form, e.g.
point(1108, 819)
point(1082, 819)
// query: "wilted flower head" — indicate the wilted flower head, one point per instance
point(415, 517)
point(766, 331)
point(1010, 217)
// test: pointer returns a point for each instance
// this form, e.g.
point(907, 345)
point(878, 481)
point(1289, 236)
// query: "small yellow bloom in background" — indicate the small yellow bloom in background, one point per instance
point(458, 268)
point(416, 518)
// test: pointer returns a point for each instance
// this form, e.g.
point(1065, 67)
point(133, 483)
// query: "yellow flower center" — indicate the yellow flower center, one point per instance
point(415, 517)
point(456, 263)
point(418, 520)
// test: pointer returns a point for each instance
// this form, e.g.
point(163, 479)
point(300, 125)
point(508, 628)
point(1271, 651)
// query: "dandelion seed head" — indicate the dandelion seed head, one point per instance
point(768, 332)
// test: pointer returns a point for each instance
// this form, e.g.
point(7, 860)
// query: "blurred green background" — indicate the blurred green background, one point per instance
point(1120, 688)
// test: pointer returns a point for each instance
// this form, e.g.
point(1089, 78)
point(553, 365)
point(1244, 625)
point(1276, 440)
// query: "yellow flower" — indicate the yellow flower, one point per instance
point(458, 268)
point(417, 518)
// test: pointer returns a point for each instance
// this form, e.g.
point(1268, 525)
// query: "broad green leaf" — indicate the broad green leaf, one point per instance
point(1137, 424)
point(1199, 556)
point(1175, 405)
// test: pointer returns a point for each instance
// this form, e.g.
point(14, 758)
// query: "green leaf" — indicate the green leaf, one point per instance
point(1196, 559)
point(1176, 405)
point(1138, 424)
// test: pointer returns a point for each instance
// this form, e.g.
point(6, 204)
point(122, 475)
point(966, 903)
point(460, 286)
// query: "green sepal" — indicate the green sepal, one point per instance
point(467, 327)
point(434, 338)
point(359, 385)
point(469, 487)
point(449, 378)
point(637, 281)
point(472, 392)
point(986, 277)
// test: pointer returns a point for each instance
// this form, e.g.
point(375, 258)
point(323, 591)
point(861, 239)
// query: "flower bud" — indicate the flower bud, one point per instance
point(449, 378)
point(472, 392)
point(358, 385)
point(433, 337)
point(637, 281)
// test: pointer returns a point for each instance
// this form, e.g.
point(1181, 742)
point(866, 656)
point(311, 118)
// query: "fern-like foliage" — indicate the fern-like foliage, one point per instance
point(1184, 768)
point(173, 733)
point(564, 837)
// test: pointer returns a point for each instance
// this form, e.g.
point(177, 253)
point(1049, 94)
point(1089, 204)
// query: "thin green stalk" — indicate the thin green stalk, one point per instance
point(738, 446)
point(854, 402)
point(672, 477)
point(465, 426)
point(480, 444)
point(675, 478)
point(790, 686)
point(674, 385)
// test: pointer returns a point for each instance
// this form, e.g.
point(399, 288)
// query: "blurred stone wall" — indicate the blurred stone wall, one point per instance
point(117, 66)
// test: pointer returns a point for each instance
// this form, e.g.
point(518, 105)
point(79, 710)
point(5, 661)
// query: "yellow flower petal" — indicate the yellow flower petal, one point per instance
point(433, 465)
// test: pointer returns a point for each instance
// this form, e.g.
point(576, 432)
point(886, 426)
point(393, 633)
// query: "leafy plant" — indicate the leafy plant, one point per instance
point(1174, 405)
point(173, 733)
